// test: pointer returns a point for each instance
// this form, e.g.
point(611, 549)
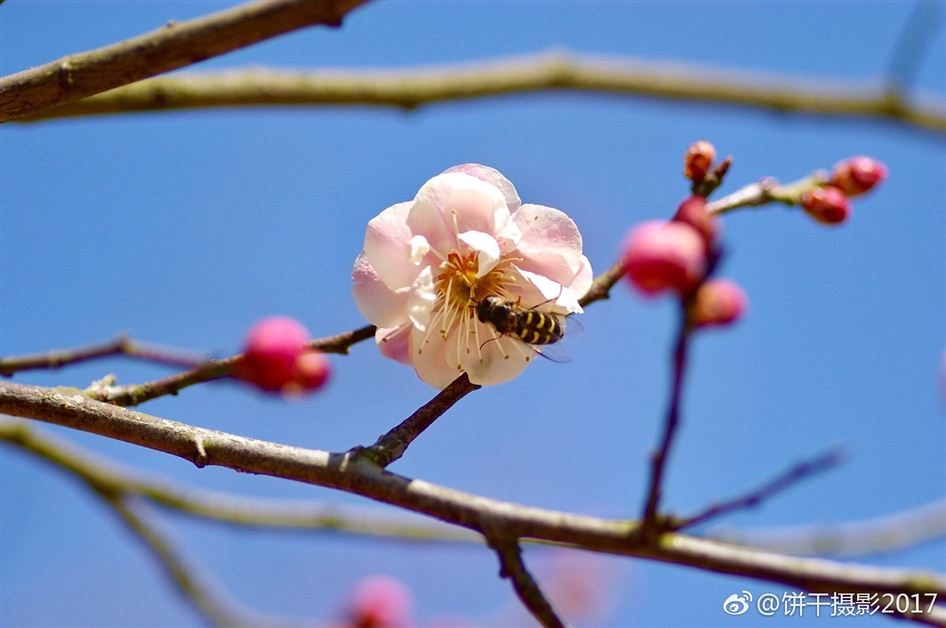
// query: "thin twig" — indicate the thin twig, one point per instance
point(790, 477)
point(506, 520)
point(511, 566)
point(767, 190)
point(602, 284)
point(122, 345)
point(671, 422)
point(134, 394)
point(553, 71)
point(174, 45)
point(391, 446)
point(223, 507)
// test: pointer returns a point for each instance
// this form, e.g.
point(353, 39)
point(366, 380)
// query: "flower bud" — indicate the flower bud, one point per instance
point(379, 602)
point(661, 256)
point(718, 302)
point(827, 205)
point(857, 175)
point(692, 211)
point(698, 160)
point(275, 358)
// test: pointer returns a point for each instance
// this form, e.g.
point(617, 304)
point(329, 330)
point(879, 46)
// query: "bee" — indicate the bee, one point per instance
point(512, 319)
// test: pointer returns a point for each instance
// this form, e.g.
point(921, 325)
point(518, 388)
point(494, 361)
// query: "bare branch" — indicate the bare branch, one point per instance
point(561, 70)
point(223, 507)
point(888, 533)
point(792, 476)
point(343, 472)
point(134, 394)
point(527, 589)
point(767, 190)
point(122, 345)
point(391, 446)
point(172, 46)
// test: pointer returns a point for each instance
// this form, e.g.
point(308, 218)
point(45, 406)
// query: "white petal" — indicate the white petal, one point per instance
point(583, 279)
point(454, 202)
point(551, 243)
point(394, 342)
point(494, 177)
point(387, 246)
point(485, 245)
point(430, 359)
point(375, 300)
point(420, 247)
point(494, 361)
point(421, 299)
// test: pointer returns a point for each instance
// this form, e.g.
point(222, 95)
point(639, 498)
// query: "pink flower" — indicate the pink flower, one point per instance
point(428, 263)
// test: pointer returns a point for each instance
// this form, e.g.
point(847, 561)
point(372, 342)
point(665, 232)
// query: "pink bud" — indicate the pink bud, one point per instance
point(692, 211)
point(662, 256)
point(379, 602)
point(312, 370)
point(827, 205)
point(857, 175)
point(698, 160)
point(275, 360)
point(718, 302)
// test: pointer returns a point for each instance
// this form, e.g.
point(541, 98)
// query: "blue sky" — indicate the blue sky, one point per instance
point(185, 228)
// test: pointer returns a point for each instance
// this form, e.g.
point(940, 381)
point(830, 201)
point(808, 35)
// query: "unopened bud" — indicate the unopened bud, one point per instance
point(380, 602)
point(693, 212)
point(827, 205)
point(661, 256)
point(857, 175)
point(275, 358)
point(718, 302)
point(698, 160)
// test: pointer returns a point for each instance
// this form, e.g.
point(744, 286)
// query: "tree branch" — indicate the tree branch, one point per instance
point(562, 70)
point(771, 488)
point(391, 446)
point(602, 284)
point(122, 345)
point(172, 46)
point(511, 566)
point(133, 394)
point(223, 507)
point(343, 472)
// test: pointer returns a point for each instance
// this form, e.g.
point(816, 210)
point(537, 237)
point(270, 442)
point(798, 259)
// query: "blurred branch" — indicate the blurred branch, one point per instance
point(767, 190)
point(511, 566)
point(122, 345)
point(392, 445)
point(506, 520)
point(133, 394)
point(561, 71)
point(105, 485)
point(888, 533)
point(771, 488)
point(914, 42)
point(222, 507)
point(172, 46)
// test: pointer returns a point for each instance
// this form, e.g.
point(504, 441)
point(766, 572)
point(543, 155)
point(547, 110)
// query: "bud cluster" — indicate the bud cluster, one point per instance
point(830, 204)
point(677, 256)
point(276, 360)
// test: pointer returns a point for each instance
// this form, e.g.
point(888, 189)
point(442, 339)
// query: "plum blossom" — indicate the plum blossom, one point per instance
point(428, 262)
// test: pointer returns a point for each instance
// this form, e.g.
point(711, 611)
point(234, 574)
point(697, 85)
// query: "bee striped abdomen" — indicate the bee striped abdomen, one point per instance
point(538, 328)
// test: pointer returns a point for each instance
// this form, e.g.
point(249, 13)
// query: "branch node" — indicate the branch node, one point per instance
point(200, 458)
